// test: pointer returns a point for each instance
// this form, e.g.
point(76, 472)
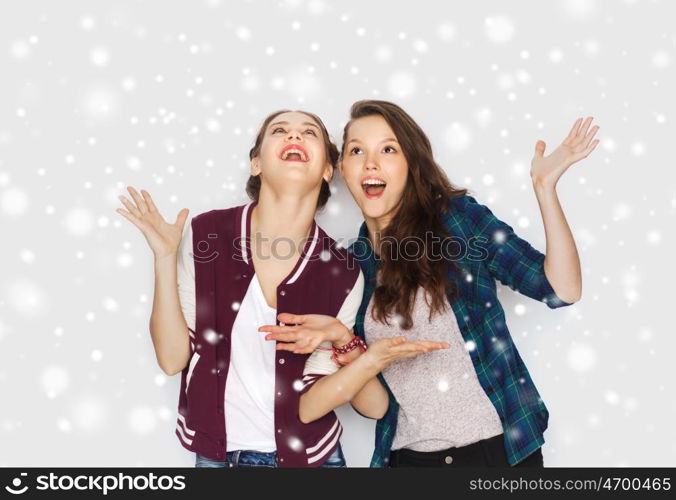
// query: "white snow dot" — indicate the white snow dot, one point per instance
point(612, 397)
point(295, 444)
point(556, 55)
point(443, 385)
point(638, 148)
point(20, 49)
point(402, 84)
point(235, 306)
point(27, 256)
point(97, 355)
point(90, 413)
point(79, 221)
point(14, 201)
point(654, 237)
point(243, 33)
point(125, 260)
point(523, 222)
point(661, 59)
point(210, 336)
point(483, 117)
point(488, 179)
point(298, 385)
point(99, 56)
point(420, 46)
point(520, 309)
point(142, 420)
point(87, 23)
point(582, 9)
point(110, 304)
point(457, 137)
point(100, 102)
point(160, 379)
point(64, 425)
point(26, 298)
point(55, 380)
point(499, 29)
point(581, 357)
point(470, 345)
point(383, 53)
point(446, 32)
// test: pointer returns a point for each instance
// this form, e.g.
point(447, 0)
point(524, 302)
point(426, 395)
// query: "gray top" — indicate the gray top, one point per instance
point(442, 403)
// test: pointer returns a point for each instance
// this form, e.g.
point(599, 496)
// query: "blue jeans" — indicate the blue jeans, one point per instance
point(251, 458)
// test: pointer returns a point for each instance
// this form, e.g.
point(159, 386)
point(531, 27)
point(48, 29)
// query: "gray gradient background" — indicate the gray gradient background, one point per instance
point(167, 96)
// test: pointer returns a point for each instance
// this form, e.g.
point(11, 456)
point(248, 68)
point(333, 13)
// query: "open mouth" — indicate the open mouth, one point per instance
point(373, 188)
point(294, 152)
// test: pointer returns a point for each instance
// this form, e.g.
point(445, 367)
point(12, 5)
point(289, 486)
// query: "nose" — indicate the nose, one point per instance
point(370, 164)
point(294, 134)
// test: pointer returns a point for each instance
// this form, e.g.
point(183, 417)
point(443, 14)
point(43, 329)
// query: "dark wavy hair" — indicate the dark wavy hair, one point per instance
point(253, 185)
point(426, 198)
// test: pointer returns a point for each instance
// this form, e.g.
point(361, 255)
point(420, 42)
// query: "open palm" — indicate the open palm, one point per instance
point(547, 170)
point(163, 238)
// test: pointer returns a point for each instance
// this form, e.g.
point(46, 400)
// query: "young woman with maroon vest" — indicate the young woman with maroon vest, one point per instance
point(228, 275)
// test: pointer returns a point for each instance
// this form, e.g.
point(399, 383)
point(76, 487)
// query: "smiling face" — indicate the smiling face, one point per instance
point(292, 155)
point(374, 168)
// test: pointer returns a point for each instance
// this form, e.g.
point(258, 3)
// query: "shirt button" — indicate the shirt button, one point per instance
point(219, 372)
point(279, 394)
point(279, 431)
point(281, 459)
point(282, 293)
point(281, 361)
point(448, 460)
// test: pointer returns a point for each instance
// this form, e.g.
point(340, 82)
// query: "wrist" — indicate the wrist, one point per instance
point(373, 361)
point(543, 185)
point(344, 338)
point(165, 257)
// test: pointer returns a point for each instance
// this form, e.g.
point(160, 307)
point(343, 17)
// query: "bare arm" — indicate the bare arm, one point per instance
point(562, 263)
point(168, 327)
point(356, 382)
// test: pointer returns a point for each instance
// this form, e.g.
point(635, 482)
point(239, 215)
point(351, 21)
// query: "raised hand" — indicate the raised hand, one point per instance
point(546, 170)
point(162, 237)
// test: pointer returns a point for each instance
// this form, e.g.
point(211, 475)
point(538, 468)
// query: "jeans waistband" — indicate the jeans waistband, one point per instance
point(252, 457)
point(439, 457)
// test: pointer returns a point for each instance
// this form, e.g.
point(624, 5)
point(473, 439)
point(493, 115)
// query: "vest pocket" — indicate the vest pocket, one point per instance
point(193, 361)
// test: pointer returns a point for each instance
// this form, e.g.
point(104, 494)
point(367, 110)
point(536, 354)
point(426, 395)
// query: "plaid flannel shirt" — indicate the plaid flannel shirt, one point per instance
point(494, 251)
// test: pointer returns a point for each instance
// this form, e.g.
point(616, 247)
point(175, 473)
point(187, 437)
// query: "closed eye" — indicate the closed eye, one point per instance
point(311, 132)
point(275, 130)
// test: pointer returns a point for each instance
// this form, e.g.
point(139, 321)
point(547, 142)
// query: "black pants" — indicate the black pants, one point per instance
point(486, 453)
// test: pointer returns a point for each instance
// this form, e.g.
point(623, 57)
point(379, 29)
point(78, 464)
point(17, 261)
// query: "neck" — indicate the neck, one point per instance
point(283, 216)
point(376, 227)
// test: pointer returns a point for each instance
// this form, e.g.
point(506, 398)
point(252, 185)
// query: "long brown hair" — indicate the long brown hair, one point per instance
point(253, 184)
point(426, 198)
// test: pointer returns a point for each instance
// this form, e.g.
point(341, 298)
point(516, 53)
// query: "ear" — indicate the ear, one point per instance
point(254, 166)
point(328, 172)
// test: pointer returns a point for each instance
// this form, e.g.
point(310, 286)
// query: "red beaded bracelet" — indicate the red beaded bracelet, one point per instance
point(350, 346)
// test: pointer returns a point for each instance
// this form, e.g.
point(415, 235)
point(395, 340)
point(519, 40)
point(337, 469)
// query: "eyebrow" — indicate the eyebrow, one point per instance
point(389, 139)
point(309, 124)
